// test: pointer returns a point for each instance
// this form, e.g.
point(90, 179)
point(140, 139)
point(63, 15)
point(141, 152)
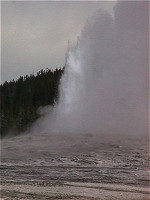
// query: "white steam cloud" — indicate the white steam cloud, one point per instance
point(105, 85)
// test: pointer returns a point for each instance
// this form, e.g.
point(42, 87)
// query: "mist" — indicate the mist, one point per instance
point(105, 86)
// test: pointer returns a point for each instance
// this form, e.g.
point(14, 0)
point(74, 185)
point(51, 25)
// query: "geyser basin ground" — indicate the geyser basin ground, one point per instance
point(104, 89)
point(75, 166)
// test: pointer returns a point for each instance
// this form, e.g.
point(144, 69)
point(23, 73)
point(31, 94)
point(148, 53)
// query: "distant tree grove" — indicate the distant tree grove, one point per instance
point(20, 99)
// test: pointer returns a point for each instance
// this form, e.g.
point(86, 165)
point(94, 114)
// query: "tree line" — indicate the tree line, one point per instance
point(20, 99)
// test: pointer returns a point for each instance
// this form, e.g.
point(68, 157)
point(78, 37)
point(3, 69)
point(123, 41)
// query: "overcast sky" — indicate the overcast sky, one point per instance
point(35, 35)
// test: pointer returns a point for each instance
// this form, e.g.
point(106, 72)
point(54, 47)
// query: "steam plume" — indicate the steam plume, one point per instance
point(105, 85)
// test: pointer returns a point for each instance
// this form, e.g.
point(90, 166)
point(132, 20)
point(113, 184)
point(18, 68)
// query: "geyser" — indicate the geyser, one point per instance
point(105, 85)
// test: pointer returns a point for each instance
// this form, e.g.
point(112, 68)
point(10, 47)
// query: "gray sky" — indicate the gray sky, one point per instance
point(35, 35)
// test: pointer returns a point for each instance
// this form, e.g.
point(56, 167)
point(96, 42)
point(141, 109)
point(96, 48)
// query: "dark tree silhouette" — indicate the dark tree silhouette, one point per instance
point(20, 99)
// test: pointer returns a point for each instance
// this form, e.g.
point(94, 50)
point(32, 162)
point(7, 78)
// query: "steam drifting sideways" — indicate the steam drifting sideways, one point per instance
point(105, 85)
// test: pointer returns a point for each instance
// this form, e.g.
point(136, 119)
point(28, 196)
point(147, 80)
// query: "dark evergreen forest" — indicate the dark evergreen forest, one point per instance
point(20, 99)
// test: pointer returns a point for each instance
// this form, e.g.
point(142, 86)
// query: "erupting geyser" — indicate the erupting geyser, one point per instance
point(105, 85)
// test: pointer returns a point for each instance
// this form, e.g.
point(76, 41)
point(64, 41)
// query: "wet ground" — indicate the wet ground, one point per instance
point(75, 166)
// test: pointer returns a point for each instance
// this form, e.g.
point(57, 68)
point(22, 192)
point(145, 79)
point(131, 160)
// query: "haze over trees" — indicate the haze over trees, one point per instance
point(20, 99)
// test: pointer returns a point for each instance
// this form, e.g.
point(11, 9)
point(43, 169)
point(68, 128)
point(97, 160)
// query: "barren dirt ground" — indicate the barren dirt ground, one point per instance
point(79, 167)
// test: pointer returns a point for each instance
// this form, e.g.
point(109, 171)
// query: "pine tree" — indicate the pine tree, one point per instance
point(20, 99)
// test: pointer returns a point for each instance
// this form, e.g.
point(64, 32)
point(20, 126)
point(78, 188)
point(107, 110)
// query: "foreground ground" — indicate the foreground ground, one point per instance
point(79, 167)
